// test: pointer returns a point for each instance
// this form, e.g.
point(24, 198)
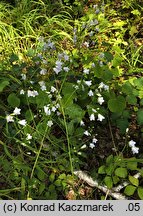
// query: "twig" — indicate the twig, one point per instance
point(93, 183)
point(114, 192)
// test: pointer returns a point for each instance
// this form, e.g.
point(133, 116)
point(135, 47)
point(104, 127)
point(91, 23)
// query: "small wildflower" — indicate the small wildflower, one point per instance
point(135, 150)
point(23, 76)
point(53, 89)
point(29, 137)
point(100, 117)
point(16, 111)
point(66, 69)
point(43, 88)
point(127, 130)
point(97, 11)
point(51, 44)
point(94, 110)
point(22, 122)
point(100, 100)
point(54, 109)
point(94, 140)
point(22, 91)
point(92, 117)
point(103, 86)
point(66, 57)
point(88, 83)
point(91, 33)
point(9, 118)
point(101, 55)
point(87, 133)
point(84, 146)
point(49, 123)
point(86, 44)
point(101, 63)
point(32, 93)
point(74, 39)
point(43, 71)
point(47, 110)
point(90, 93)
point(82, 123)
point(86, 71)
point(132, 143)
point(92, 145)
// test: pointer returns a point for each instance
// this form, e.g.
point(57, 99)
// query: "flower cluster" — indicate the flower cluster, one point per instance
point(135, 149)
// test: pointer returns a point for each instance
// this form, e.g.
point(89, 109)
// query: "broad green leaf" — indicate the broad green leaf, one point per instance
point(108, 181)
point(122, 124)
point(134, 180)
point(129, 190)
point(121, 172)
point(29, 115)
point(131, 99)
point(127, 88)
point(115, 179)
point(107, 75)
point(139, 82)
point(102, 169)
point(132, 165)
point(140, 192)
point(110, 169)
point(108, 56)
point(40, 173)
point(42, 187)
point(140, 116)
point(3, 85)
point(14, 58)
point(75, 112)
point(136, 12)
point(52, 177)
point(117, 104)
point(70, 127)
point(109, 159)
point(13, 100)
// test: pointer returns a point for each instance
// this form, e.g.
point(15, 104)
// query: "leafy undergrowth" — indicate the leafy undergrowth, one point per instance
point(71, 98)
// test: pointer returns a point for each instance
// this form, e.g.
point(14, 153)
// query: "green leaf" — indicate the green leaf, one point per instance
point(29, 115)
point(40, 173)
point(129, 190)
point(3, 85)
point(102, 170)
point(127, 88)
point(140, 192)
point(122, 124)
point(13, 58)
point(140, 116)
point(109, 159)
point(70, 127)
point(52, 177)
point(134, 180)
point(41, 187)
point(110, 169)
point(115, 179)
point(108, 56)
point(131, 99)
point(108, 181)
point(117, 104)
point(132, 165)
point(13, 100)
point(121, 172)
point(75, 112)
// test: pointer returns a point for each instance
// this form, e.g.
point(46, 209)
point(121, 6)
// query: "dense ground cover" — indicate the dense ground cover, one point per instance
point(71, 98)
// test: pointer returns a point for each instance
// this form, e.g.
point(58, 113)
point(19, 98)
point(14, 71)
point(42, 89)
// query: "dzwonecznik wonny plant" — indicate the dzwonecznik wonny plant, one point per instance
point(54, 100)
